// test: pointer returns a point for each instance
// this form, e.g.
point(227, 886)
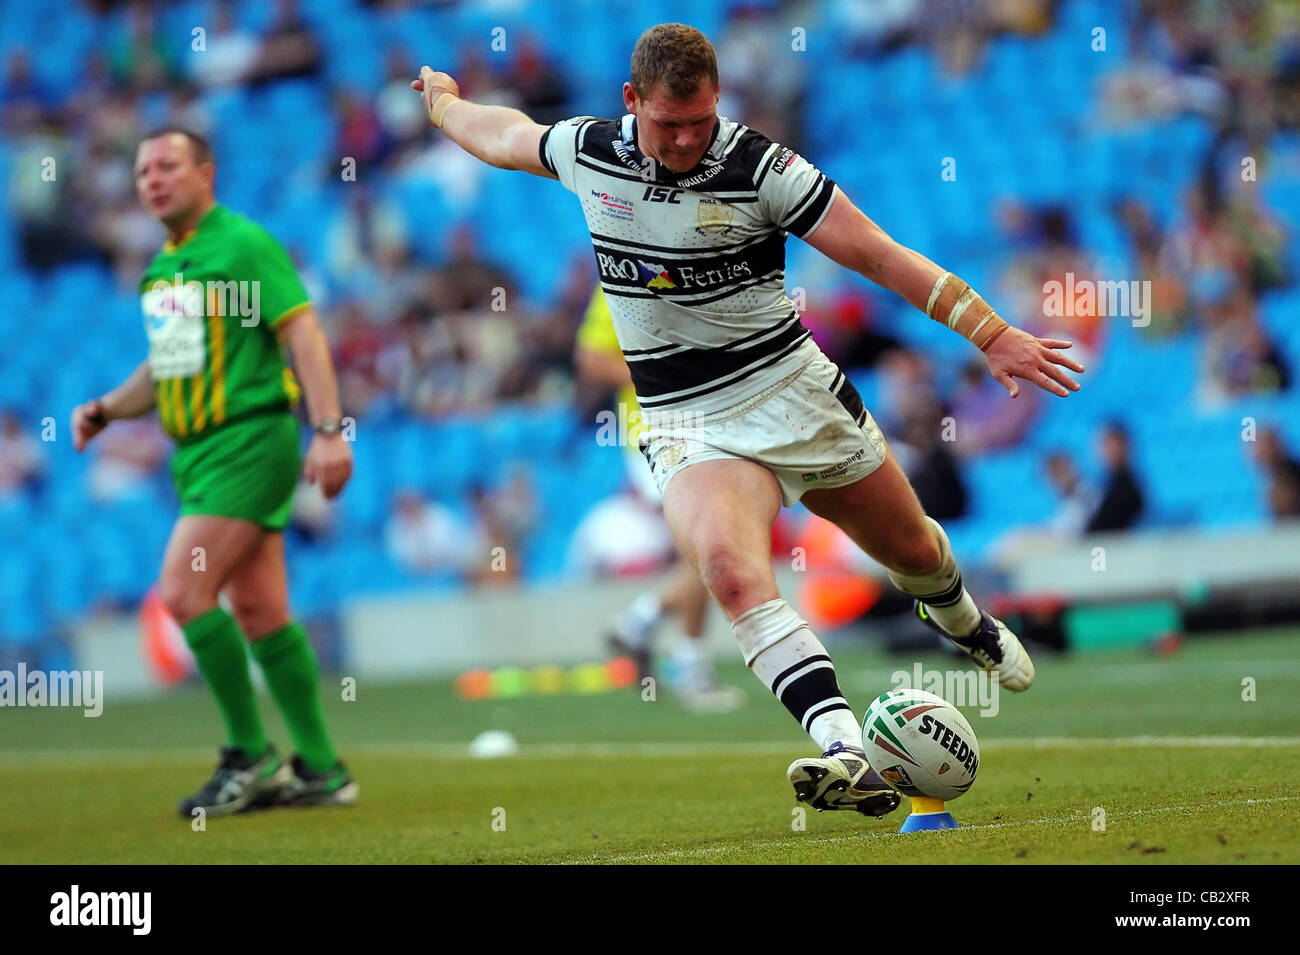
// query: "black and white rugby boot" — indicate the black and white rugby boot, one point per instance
point(841, 778)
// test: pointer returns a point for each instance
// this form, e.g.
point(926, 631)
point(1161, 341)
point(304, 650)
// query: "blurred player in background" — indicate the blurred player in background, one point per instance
point(688, 213)
point(220, 301)
point(599, 360)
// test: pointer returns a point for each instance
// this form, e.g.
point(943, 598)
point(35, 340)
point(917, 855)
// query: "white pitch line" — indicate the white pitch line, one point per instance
point(117, 757)
point(860, 837)
point(1139, 742)
point(765, 748)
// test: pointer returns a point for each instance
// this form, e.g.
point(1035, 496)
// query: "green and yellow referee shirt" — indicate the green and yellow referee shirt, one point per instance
point(212, 303)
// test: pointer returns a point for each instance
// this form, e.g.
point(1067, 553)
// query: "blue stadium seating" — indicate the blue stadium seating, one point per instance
point(279, 168)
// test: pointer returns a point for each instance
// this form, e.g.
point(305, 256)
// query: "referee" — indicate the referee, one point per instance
point(220, 301)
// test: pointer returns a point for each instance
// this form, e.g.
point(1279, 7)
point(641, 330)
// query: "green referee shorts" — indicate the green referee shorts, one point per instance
point(247, 469)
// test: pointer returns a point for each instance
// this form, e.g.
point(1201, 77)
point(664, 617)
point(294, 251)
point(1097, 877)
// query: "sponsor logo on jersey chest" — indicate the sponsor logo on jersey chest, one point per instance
point(655, 275)
point(618, 207)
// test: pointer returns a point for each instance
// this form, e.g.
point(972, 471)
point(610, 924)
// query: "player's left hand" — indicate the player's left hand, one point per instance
point(329, 463)
point(1018, 354)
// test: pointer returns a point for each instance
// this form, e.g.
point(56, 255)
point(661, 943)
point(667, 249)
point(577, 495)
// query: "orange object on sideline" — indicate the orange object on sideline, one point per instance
point(836, 599)
point(1168, 644)
point(474, 685)
point(622, 671)
point(162, 642)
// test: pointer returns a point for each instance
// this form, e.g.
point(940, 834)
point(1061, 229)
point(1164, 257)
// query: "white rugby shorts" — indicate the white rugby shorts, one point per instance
point(810, 430)
point(639, 477)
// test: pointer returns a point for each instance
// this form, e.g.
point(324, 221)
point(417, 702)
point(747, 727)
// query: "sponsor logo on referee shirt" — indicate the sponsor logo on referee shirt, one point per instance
point(165, 300)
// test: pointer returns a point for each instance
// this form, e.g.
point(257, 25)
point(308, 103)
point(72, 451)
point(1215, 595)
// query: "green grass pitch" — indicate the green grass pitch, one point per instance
point(1184, 770)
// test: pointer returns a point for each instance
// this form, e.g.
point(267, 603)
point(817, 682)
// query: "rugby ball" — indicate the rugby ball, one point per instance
point(921, 744)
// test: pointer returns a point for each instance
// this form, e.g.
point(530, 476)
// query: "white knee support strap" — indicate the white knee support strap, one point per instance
point(941, 588)
point(763, 626)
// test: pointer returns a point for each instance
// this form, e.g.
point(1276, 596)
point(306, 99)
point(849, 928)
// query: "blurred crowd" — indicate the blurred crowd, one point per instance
point(418, 337)
point(1236, 62)
point(958, 31)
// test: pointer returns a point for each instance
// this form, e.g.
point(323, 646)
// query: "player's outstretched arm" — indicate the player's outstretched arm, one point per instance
point(498, 135)
point(329, 459)
point(848, 237)
point(130, 399)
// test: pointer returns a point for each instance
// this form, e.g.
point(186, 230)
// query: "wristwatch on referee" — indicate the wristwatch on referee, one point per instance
point(329, 427)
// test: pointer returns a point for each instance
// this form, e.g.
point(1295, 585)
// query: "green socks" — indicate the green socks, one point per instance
point(289, 664)
point(219, 651)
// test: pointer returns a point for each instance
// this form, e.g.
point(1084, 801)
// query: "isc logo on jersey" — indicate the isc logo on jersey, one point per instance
point(663, 194)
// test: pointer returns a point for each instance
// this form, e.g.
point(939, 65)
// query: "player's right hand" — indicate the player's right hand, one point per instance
point(87, 421)
point(432, 85)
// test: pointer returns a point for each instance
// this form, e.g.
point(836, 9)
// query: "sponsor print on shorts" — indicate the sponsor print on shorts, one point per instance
point(837, 470)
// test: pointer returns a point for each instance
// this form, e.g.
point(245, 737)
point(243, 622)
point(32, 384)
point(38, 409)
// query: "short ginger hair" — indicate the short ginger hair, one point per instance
point(675, 56)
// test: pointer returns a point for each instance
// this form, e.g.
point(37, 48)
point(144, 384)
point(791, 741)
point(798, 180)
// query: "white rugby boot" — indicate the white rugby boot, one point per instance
point(993, 647)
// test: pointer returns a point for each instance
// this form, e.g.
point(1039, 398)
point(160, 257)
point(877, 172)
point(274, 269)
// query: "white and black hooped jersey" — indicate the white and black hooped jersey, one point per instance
point(693, 265)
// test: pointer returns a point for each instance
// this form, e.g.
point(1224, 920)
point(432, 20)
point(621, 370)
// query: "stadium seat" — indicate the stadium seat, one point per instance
point(23, 621)
point(992, 121)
